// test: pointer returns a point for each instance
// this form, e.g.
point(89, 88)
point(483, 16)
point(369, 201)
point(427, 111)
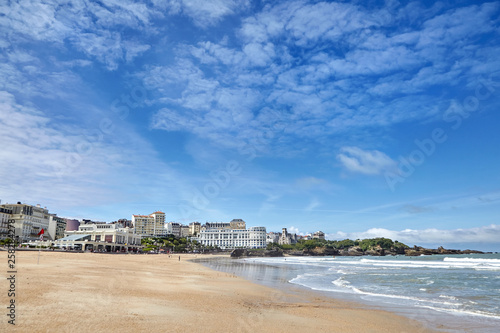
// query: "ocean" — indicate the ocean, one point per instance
point(455, 293)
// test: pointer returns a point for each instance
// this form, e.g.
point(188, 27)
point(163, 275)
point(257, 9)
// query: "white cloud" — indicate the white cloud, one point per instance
point(455, 25)
point(483, 234)
point(306, 23)
point(368, 162)
point(105, 46)
point(35, 78)
point(293, 230)
point(259, 54)
point(375, 61)
point(123, 12)
point(326, 20)
point(204, 13)
point(293, 58)
point(87, 26)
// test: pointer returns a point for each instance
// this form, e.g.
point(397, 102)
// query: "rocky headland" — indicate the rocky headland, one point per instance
point(350, 251)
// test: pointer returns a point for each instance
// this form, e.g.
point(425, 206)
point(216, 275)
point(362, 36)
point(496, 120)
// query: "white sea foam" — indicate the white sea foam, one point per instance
point(474, 260)
point(301, 280)
point(402, 297)
point(448, 297)
point(462, 312)
point(340, 282)
point(446, 263)
point(346, 285)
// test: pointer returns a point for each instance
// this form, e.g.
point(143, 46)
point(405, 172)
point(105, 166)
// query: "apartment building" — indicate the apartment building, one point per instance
point(57, 226)
point(184, 232)
point(194, 228)
point(173, 228)
point(5, 215)
point(152, 225)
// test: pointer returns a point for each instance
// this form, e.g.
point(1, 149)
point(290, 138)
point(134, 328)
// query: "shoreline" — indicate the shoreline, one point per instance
point(277, 276)
point(140, 292)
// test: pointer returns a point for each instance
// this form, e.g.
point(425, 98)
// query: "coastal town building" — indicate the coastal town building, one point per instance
point(194, 229)
point(318, 235)
point(124, 223)
point(286, 238)
point(152, 225)
point(29, 220)
point(272, 237)
point(184, 231)
point(57, 227)
point(5, 215)
point(173, 228)
point(88, 221)
point(72, 224)
point(100, 237)
point(216, 225)
point(219, 235)
point(235, 224)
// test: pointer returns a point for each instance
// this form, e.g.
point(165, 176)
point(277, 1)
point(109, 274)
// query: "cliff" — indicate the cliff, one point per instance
point(350, 251)
point(418, 250)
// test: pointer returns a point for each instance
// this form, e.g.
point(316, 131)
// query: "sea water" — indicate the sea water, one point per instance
point(457, 292)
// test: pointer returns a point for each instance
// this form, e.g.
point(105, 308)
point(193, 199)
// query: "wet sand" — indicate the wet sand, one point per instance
point(70, 292)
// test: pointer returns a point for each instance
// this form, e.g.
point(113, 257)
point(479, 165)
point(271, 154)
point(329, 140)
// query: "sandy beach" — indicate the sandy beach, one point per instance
point(70, 292)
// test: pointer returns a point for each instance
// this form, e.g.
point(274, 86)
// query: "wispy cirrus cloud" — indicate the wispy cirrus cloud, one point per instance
point(414, 209)
point(368, 162)
point(313, 204)
point(60, 165)
point(205, 13)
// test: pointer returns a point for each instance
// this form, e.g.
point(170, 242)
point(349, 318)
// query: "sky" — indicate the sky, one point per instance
point(360, 119)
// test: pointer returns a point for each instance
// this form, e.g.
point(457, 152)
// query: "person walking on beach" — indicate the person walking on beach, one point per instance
point(179, 258)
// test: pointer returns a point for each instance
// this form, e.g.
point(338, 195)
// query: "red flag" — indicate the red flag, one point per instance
point(41, 232)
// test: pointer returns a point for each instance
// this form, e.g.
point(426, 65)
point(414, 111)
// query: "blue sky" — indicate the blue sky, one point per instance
point(360, 120)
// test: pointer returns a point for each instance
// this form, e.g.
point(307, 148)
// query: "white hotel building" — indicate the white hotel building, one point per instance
point(227, 239)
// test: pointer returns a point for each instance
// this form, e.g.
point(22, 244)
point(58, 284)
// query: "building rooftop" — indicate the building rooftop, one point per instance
point(73, 237)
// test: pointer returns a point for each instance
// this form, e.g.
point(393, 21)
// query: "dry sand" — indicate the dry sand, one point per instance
point(72, 292)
